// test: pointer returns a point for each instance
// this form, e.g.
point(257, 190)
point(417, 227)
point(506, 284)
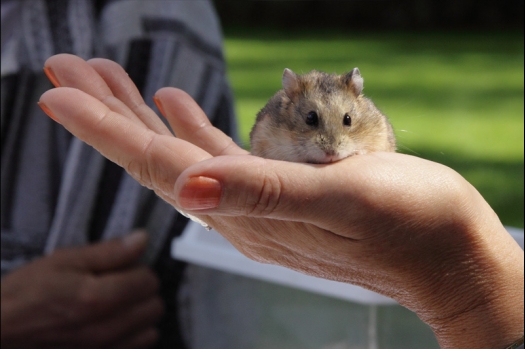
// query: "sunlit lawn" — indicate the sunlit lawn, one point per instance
point(453, 98)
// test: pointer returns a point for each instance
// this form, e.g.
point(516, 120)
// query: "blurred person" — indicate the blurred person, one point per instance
point(59, 194)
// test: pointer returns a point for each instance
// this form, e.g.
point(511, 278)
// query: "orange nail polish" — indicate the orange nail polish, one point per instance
point(200, 193)
point(48, 111)
point(51, 76)
point(159, 105)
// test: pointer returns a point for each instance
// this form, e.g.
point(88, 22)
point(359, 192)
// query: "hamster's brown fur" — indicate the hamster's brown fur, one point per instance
point(285, 128)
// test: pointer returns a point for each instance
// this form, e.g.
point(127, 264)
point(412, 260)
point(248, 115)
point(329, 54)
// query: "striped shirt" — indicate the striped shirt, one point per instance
point(57, 191)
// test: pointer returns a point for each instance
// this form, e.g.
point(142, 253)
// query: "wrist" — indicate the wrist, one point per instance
point(490, 325)
point(483, 303)
point(492, 322)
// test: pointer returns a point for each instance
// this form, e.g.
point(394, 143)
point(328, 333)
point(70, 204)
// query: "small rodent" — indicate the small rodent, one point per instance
point(320, 118)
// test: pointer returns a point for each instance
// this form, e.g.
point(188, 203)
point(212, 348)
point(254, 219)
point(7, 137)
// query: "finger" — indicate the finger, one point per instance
point(125, 90)
point(104, 256)
point(122, 326)
point(371, 192)
point(134, 326)
point(152, 159)
point(255, 187)
point(189, 122)
point(115, 289)
point(140, 340)
point(67, 70)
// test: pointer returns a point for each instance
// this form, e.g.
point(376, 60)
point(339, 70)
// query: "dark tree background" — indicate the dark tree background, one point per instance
point(375, 14)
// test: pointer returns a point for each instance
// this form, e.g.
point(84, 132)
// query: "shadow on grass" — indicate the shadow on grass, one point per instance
point(500, 183)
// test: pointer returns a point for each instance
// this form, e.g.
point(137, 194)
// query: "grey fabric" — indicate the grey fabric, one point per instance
point(56, 190)
point(181, 50)
point(77, 194)
point(29, 187)
point(37, 205)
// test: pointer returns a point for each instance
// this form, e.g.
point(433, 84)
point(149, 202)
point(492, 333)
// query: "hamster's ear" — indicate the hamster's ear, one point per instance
point(354, 81)
point(291, 84)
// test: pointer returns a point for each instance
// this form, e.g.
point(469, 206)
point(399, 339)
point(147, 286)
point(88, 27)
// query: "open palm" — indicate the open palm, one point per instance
point(382, 220)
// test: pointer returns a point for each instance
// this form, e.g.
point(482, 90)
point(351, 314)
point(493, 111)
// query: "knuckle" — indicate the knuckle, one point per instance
point(139, 172)
point(59, 256)
point(148, 168)
point(157, 308)
point(269, 196)
point(98, 336)
point(156, 170)
point(144, 338)
point(89, 299)
point(150, 279)
point(103, 119)
point(230, 147)
point(141, 167)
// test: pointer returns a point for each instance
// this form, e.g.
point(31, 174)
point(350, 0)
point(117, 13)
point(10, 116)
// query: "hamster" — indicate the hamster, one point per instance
point(320, 118)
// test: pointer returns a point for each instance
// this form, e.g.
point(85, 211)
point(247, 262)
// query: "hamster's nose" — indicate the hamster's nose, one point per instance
point(330, 156)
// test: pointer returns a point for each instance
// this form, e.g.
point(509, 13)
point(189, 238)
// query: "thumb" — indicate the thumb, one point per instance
point(246, 185)
point(105, 256)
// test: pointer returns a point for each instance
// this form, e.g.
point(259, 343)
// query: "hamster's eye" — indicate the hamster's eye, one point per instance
point(312, 119)
point(347, 120)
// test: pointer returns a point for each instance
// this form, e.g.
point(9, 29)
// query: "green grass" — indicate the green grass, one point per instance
point(454, 98)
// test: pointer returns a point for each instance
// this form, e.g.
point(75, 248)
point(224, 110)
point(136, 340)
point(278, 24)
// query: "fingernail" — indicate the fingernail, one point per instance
point(51, 76)
point(200, 193)
point(138, 237)
point(48, 111)
point(159, 105)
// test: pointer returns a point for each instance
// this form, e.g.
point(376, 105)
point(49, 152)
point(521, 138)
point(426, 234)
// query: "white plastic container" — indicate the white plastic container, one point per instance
point(267, 307)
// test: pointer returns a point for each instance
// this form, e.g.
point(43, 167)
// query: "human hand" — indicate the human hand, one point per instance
point(87, 297)
point(408, 228)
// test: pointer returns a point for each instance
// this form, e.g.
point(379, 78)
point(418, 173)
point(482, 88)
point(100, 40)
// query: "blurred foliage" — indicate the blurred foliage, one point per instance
point(374, 14)
point(454, 98)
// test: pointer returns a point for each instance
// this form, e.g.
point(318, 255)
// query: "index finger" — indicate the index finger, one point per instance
point(108, 82)
point(122, 287)
point(189, 122)
point(125, 90)
point(152, 159)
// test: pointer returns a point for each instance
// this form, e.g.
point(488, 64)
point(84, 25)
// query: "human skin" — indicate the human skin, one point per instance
point(408, 228)
point(96, 296)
